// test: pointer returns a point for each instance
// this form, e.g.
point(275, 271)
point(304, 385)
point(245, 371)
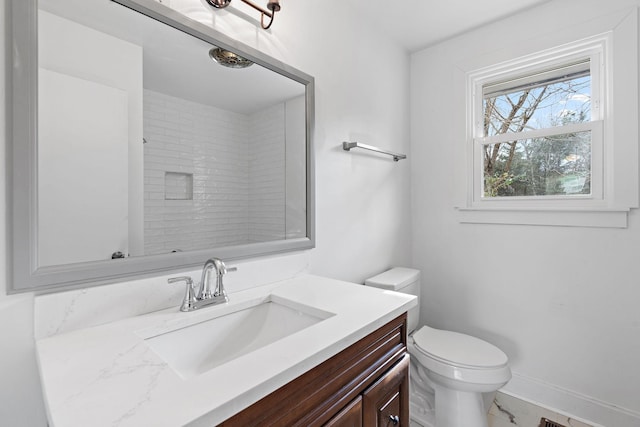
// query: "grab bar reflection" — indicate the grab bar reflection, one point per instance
point(347, 146)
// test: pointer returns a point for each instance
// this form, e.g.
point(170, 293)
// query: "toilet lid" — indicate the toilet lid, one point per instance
point(458, 349)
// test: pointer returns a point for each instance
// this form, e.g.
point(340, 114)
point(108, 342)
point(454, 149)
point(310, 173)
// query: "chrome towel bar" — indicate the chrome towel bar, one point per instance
point(347, 146)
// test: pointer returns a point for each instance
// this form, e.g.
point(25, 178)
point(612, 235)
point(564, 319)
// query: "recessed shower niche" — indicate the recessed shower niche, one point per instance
point(178, 186)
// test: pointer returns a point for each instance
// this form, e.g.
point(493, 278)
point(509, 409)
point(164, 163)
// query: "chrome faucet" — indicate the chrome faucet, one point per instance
point(205, 285)
point(205, 296)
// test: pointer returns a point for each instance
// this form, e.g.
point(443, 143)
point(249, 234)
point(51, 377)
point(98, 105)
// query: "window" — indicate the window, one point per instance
point(543, 147)
point(537, 134)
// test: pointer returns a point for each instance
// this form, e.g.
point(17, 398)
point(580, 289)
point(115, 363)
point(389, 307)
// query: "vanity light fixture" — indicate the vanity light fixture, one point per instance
point(273, 6)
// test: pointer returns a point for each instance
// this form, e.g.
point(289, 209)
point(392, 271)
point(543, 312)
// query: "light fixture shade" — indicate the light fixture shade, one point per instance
point(219, 4)
point(229, 59)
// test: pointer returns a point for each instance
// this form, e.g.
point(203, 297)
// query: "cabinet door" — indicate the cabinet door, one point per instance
point(386, 402)
point(351, 416)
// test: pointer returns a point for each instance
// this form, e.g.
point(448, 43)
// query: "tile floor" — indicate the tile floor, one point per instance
point(508, 411)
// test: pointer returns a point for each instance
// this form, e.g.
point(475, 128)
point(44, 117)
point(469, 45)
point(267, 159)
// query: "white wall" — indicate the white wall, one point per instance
point(82, 170)
point(561, 302)
point(82, 52)
point(362, 200)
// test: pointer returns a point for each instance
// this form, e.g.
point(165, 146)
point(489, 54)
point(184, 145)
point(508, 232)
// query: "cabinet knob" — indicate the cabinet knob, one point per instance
point(394, 419)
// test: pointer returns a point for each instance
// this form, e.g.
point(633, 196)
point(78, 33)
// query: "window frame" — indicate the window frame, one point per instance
point(593, 50)
point(614, 144)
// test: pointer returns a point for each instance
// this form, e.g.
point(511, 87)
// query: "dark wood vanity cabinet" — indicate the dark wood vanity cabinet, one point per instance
point(351, 416)
point(365, 385)
point(386, 402)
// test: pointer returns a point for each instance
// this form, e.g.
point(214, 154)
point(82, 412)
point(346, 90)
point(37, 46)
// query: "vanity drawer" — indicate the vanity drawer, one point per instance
point(386, 402)
point(316, 397)
point(351, 416)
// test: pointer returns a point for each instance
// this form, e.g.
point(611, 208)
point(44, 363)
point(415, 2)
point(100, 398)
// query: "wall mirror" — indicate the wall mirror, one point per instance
point(135, 152)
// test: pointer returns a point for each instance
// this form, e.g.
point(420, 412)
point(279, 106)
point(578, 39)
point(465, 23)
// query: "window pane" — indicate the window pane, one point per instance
point(538, 106)
point(548, 166)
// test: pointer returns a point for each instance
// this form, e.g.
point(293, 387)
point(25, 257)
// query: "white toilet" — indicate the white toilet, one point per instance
point(453, 376)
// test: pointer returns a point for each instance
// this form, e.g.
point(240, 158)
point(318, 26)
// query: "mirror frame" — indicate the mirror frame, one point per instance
point(24, 273)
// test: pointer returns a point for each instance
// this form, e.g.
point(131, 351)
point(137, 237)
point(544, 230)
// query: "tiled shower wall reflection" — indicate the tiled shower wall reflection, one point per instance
point(230, 157)
point(267, 175)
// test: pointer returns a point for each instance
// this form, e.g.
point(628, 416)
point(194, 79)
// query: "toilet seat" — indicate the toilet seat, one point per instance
point(469, 362)
point(458, 349)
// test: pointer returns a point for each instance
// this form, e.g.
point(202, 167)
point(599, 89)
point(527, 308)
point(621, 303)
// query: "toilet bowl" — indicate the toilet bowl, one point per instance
point(453, 376)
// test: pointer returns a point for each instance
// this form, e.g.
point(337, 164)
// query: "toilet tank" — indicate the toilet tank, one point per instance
point(400, 279)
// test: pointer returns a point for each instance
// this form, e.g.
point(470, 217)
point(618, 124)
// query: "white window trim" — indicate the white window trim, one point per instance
point(614, 137)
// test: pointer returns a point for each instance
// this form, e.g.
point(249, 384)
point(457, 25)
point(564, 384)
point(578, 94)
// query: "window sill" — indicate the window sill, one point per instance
point(604, 218)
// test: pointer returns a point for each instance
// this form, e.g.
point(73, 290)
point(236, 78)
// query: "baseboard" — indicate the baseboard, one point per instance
point(570, 403)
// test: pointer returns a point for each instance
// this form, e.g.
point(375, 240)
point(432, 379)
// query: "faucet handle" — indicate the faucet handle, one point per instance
point(219, 291)
point(189, 300)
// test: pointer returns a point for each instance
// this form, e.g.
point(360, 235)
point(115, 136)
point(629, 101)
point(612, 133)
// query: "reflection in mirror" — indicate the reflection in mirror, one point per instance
point(138, 153)
point(147, 146)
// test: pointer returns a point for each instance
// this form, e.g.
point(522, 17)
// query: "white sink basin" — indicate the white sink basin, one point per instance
point(197, 348)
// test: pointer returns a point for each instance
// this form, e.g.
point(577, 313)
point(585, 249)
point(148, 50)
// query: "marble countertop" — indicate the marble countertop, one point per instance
point(108, 376)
